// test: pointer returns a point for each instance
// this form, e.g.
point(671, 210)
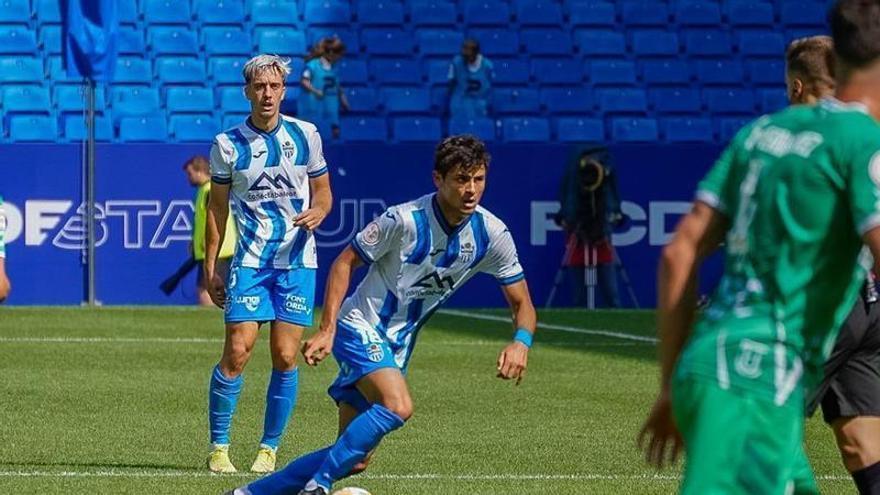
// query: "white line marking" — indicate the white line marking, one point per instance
point(109, 340)
point(548, 326)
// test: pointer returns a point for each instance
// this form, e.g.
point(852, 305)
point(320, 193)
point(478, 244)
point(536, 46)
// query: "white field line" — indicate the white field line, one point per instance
point(548, 326)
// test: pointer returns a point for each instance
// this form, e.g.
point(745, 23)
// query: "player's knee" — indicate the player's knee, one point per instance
point(402, 406)
point(284, 360)
point(235, 359)
point(857, 449)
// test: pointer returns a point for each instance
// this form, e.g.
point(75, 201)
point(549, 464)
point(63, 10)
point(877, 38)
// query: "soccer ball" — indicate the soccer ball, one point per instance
point(351, 490)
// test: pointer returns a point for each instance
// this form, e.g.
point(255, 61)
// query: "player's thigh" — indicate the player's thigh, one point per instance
point(293, 296)
point(387, 386)
point(284, 340)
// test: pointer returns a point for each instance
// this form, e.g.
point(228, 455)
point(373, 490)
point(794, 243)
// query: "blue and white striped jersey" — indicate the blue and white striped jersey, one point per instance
point(417, 261)
point(269, 174)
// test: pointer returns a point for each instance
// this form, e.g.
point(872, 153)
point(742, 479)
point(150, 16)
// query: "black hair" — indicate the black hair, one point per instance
point(464, 150)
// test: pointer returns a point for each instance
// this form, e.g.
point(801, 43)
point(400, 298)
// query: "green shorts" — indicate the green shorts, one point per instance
point(737, 442)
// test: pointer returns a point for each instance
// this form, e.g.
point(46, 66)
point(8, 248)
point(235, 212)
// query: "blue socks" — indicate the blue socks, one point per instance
point(292, 478)
point(280, 401)
point(222, 398)
point(361, 436)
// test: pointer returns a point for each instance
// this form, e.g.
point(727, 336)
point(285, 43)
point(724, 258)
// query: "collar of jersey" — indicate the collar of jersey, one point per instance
point(261, 132)
point(438, 214)
point(832, 103)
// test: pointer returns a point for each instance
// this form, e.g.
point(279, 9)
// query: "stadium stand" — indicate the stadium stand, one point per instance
point(565, 70)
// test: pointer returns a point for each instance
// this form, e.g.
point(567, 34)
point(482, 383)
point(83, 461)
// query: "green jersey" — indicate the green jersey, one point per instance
point(799, 188)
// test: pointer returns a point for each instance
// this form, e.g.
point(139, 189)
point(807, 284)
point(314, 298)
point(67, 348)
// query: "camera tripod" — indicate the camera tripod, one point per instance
point(591, 276)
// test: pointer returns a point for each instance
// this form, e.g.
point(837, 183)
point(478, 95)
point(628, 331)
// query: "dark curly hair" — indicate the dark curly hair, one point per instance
point(855, 28)
point(464, 150)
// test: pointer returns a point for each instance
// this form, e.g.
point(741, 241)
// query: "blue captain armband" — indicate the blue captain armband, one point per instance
point(524, 336)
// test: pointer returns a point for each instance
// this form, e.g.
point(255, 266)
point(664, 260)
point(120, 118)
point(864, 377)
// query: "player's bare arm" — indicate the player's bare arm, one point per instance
point(699, 233)
point(217, 214)
point(317, 348)
point(322, 202)
point(513, 360)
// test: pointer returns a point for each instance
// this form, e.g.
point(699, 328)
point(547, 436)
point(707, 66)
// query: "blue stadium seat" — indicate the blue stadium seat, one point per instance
point(592, 42)
point(577, 100)
point(349, 38)
point(641, 13)
point(26, 99)
point(793, 34)
point(708, 43)
point(486, 13)
point(417, 129)
point(629, 130)
point(75, 128)
point(380, 13)
point(437, 71)
point(281, 41)
point(131, 41)
point(538, 13)
point(17, 40)
point(362, 100)
point(525, 130)
point(511, 71)
point(730, 126)
point(439, 41)
point(130, 101)
point(188, 99)
point(732, 100)
point(688, 129)
point(767, 71)
point(21, 70)
point(151, 128)
point(546, 41)
point(612, 72)
point(767, 43)
point(171, 40)
point(671, 71)
point(557, 70)
point(48, 11)
point(724, 71)
point(231, 120)
point(56, 71)
point(166, 12)
point(50, 39)
point(772, 100)
point(275, 13)
point(72, 98)
point(353, 71)
point(697, 13)
point(132, 70)
point(483, 128)
point(15, 12)
point(232, 99)
point(387, 41)
point(750, 13)
point(220, 12)
point(193, 128)
point(580, 130)
point(516, 101)
point(181, 70)
point(676, 100)
point(629, 100)
point(406, 100)
point(396, 71)
point(434, 13)
point(649, 43)
point(226, 41)
point(127, 10)
point(328, 12)
point(592, 14)
point(226, 70)
point(363, 129)
point(803, 13)
point(497, 41)
point(33, 128)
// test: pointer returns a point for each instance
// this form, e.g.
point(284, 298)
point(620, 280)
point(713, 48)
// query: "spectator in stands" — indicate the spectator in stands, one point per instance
point(198, 174)
point(5, 286)
point(322, 96)
point(470, 81)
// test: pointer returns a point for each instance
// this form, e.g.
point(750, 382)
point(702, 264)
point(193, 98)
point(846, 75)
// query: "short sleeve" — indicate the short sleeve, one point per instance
point(502, 261)
point(317, 166)
point(379, 237)
point(221, 162)
point(862, 186)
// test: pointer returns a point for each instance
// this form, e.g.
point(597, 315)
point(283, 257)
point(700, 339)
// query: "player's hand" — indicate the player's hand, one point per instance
point(512, 362)
point(317, 348)
point(310, 219)
point(659, 437)
point(217, 290)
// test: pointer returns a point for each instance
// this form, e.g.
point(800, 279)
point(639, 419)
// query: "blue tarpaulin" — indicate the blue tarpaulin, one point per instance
point(91, 29)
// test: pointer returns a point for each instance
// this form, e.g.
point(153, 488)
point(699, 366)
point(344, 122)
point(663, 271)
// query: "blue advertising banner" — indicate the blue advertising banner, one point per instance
point(145, 213)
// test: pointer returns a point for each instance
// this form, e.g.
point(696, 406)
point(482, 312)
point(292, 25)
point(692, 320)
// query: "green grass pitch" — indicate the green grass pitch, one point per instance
point(114, 401)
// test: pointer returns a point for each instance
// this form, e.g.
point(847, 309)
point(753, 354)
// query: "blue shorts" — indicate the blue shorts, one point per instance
point(359, 353)
point(267, 294)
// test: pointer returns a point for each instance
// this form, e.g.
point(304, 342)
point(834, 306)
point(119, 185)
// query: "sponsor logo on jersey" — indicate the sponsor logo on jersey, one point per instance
point(271, 187)
point(748, 361)
point(431, 285)
point(297, 304)
point(249, 302)
point(261, 153)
